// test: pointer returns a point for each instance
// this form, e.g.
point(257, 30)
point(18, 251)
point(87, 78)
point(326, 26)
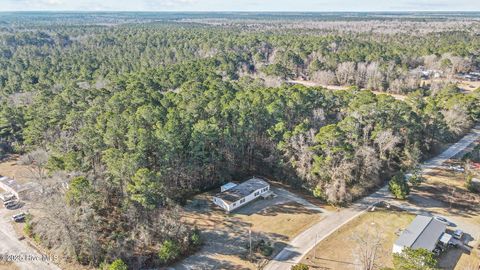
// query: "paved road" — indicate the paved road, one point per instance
point(304, 242)
point(293, 197)
point(29, 258)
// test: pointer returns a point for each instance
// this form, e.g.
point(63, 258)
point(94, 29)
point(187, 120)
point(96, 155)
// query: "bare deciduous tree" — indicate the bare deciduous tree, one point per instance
point(368, 249)
point(386, 142)
point(336, 191)
point(374, 77)
point(346, 73)
point(324, 77)
point(36, 162)
point(457, 120)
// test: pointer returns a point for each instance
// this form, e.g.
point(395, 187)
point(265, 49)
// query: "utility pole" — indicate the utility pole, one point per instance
point(315, 247)
point(250, 240)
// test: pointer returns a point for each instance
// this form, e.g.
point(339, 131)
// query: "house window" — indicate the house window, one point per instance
point(256, 193)
point(234, 204)
point(242, 201)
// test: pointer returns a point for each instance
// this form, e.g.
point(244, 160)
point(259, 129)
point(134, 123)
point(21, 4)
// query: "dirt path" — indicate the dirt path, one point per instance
point(337, 87)
point(307, 240)
point(26, 258)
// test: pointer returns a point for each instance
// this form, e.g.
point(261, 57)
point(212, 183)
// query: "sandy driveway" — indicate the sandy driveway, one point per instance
point(24, 256)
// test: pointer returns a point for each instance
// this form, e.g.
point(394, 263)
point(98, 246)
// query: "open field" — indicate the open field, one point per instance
point(338, 87)
point(465, 86)
point(334, 253)
point(9, 167)
point(226, 236)
point(468, 86)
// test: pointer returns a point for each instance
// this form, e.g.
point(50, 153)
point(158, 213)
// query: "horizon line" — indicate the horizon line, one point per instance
point(243, 11)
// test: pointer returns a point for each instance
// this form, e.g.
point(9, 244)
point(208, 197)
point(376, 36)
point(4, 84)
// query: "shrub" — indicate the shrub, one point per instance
point(27, 229)
point(414, 259)
point(37, 239)
point(169, 251)
point(118, 264)
point(300, 266)
point(319, 193)
point(266, 250)
point(472, 186)
point(399, 187)
point(195, 239)
point(416, 179)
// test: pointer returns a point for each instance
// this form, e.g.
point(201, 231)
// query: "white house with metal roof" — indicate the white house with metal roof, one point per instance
point(424, 232)
point(234, 196)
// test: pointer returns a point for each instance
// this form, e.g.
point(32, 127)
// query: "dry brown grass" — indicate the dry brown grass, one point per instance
point(468, 86)
point(226, 235)
point(8, 266)
point(11, 169)
point(337, 250)
point(287, 219)
point(465, 86)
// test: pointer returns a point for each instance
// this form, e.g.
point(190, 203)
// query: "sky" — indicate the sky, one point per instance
point(240, 5)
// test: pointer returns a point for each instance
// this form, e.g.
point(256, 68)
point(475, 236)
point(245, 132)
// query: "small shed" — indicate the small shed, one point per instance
point(445, 239)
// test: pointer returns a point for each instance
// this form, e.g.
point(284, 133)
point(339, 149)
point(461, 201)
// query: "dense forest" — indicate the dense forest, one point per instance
point(138, 117)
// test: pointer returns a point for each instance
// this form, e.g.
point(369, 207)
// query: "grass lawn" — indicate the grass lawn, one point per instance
point(337, 251)
point(11, 169)
point(226, 236)
point(286, 219)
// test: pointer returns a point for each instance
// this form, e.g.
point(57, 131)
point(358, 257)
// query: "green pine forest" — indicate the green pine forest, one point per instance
point(139, 117)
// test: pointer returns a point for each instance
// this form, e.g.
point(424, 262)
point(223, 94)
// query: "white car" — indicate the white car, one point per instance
point(5, 197)
point(442, 219)
point(457, 168)
point(457, 234)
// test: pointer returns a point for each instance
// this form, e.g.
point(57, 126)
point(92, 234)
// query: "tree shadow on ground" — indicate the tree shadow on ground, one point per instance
point(453, 199)
point(224, 235)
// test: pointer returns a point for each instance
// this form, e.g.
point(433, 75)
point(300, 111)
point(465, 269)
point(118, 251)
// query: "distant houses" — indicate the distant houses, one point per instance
point(472, 76)
point(424, 232)
point(233, 196)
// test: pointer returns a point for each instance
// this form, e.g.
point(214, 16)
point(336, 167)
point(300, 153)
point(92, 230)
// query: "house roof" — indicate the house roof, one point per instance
point(423, 232)
point(242, 190)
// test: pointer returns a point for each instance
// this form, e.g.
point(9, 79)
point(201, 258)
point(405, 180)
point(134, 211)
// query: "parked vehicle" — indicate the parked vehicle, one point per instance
point(19, 217)
point(437, 251)
point(456, 168)
point(11, 204)
point(457, 234)
point(442, 219)
point(5, 197)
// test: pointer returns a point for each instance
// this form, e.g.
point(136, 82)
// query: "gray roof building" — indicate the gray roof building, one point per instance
point(242, 190)
point(423, 232)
